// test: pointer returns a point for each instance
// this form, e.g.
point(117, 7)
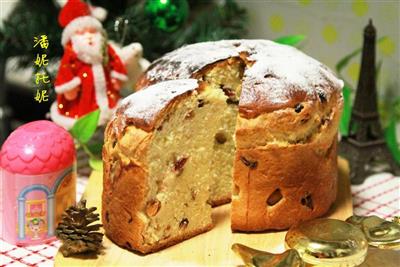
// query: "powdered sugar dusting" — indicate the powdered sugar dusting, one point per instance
point(279, 73)
point(147, 104)
point(183, 62)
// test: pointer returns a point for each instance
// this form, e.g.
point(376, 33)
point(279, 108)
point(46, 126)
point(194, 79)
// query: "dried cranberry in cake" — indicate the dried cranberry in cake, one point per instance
point(249, 163)
point(307, 201)
point(200, 103)
point(179, 163)
point(220, 137)
point(152, 207)
point(298, 107)
point(274, 198)
point(184, 223)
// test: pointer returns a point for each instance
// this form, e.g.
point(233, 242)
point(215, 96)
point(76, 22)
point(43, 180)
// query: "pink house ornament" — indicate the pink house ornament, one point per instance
point(37, 182)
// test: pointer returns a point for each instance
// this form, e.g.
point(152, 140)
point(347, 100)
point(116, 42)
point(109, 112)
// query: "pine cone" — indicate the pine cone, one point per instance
point(75, 231)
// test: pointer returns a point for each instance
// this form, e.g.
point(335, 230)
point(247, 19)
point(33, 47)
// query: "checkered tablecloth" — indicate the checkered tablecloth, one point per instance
point(41, 255)
point(378, 195)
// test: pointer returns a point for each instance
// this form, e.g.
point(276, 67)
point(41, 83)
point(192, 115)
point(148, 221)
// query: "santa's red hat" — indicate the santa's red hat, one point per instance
point(76, 15)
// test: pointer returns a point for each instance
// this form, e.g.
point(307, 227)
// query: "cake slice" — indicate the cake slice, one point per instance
point(159, 163)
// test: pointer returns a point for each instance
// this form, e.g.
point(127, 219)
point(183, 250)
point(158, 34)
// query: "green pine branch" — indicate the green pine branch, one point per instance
point(27, 20)
point(207, 21)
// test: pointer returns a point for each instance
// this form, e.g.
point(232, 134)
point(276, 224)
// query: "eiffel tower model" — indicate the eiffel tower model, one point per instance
point(365, 145)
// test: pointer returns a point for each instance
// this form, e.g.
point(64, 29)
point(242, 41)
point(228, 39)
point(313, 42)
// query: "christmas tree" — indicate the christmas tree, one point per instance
point(159, 25)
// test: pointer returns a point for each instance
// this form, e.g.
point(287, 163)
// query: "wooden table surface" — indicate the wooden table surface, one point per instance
point(209, 249)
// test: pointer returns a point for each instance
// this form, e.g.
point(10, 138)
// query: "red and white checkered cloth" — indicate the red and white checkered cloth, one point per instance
point(378, 195)
point(41, 255)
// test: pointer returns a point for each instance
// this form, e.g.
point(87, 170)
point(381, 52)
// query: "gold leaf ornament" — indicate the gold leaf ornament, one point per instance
point(328, 242)
point(258, 258)
point(379, 232)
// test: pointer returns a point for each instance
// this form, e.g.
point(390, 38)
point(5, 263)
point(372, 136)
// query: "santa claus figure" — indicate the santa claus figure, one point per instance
point(90, 73)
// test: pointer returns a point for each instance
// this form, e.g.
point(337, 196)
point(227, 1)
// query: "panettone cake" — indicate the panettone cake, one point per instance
point(247, 120)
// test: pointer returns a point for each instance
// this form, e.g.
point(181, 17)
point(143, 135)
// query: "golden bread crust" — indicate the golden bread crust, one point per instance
point(146, 249)
point(300, 178)
point(307, 182)
point(124, 188)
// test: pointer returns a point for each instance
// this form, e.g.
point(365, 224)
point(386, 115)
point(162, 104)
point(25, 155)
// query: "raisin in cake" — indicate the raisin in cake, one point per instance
point(249, 117)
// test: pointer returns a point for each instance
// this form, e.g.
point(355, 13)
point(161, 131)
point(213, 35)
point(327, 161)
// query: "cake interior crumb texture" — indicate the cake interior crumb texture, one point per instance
point(190, 158)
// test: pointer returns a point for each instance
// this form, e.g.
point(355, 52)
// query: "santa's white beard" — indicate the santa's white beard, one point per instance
point(88, 47)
